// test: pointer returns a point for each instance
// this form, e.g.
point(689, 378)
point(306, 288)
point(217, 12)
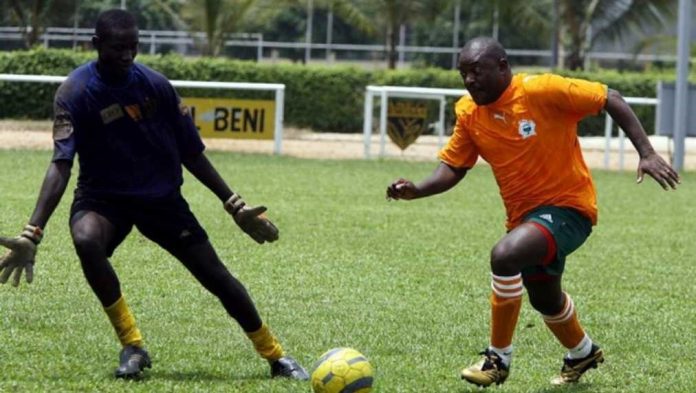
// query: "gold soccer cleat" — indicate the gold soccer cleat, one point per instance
point(573, 369)
point(487, 371)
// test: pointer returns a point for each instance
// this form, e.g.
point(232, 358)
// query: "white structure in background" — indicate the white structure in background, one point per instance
point(384, 92)
point(278, 88)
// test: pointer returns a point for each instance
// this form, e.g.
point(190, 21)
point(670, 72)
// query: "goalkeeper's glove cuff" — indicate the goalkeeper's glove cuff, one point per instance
point(33, 233)
point(234, 204)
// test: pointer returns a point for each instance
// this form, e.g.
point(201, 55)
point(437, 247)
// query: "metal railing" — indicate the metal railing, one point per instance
point(156, 38)
point(384, 92)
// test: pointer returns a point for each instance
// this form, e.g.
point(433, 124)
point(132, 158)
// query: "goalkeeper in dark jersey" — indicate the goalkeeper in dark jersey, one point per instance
point(131, 135)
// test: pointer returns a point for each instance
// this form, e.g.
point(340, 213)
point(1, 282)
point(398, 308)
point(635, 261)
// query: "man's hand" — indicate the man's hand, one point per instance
point(402, 189)
point(659, 170)
point(251, 220)
point(21, 255)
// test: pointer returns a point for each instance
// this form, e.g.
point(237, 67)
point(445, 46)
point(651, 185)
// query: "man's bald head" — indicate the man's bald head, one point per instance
point(485, 69)
point(484, 47)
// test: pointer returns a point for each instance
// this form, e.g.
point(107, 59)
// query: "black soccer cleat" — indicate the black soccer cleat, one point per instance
point(287, 367)
point(132, 361)
point(573, 369)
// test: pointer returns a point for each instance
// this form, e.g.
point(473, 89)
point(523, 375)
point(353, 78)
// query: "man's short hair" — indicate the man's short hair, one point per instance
point(115, 19)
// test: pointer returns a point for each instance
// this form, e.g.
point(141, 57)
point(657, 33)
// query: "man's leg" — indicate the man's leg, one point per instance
point(92, 234)
point(560, 316)
point(202, 261)
point(524, 246)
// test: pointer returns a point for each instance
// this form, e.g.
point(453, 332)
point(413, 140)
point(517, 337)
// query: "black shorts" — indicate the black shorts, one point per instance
point(167, 221)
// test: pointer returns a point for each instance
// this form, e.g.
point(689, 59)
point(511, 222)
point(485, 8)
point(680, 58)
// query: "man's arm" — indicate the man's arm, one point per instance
point(203, 170)
point(442, 179)
point(52, 190)
point(650, 162)
point(250, 219)
point(20, 258)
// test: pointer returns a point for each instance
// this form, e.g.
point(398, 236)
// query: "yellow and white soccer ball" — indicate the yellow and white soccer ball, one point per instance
point(342, 370)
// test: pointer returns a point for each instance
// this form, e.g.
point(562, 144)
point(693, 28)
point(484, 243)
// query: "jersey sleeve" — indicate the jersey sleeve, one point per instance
point(577, 97)
point(187, 136)
point(63, 135)
point(460, 151)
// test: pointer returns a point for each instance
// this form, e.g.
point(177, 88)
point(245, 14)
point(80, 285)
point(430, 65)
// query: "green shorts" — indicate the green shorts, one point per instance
point(569, 229)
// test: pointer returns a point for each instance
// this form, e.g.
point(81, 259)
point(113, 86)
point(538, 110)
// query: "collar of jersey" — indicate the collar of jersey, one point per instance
point(508, 93)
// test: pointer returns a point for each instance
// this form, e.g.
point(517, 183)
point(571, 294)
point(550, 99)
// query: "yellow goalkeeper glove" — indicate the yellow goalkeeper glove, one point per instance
point(21, 255)
point(251, 220)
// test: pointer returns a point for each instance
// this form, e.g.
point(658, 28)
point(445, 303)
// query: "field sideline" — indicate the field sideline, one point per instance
point(406, 283)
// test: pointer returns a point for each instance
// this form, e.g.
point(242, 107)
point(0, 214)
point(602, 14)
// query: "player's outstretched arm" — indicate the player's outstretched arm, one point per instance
point(20, 258)
point(650, 162)
point(442, 179)
point(251, 220)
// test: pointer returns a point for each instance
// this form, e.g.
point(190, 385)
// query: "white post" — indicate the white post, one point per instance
point(367, 121)
point(383, 122)
point(308, 33)
point(441, 123)
point(280, 109)
point(153, 43)
point(402, 44)
point(259, 48)
point(622, 142)
point(681, 98)
point(608, 124)
point(455, 33)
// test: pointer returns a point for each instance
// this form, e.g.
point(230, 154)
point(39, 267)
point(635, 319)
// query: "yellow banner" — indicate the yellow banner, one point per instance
point(230, 118)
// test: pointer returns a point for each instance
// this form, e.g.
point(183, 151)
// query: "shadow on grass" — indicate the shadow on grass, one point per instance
point(574, 388)
point(193, 376)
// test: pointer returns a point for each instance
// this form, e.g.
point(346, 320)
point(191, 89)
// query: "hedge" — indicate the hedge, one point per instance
point(319, 98)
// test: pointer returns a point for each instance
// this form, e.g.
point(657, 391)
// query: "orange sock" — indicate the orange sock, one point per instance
point(506, 300)
point(565, 325)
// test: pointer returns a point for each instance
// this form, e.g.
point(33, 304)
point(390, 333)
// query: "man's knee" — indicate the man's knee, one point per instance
point(547, 305)
point(504, 259)
point(87, 243)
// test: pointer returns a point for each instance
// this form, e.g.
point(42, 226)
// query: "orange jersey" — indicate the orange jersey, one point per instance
point(529, 137)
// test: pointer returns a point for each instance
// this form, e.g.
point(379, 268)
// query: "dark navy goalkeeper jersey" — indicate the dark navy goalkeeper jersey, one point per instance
point(130, 140)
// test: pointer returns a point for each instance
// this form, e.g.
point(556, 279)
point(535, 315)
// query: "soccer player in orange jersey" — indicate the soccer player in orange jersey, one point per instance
point(525, 127)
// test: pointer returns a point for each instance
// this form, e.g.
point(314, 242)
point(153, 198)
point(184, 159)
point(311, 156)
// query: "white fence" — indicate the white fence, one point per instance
point(384, 92)
point(278, 88)
point(185, 41)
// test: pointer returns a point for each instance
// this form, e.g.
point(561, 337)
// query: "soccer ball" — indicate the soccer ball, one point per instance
point(342, 370)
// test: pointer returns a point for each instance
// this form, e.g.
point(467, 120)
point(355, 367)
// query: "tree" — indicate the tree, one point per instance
point(216, 18)
point(30, 16)
point(585, 21)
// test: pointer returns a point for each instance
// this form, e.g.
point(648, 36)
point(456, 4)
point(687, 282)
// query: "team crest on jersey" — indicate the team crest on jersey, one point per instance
point(526, 128)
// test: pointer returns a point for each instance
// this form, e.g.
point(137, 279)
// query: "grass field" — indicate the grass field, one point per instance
point(406, 283)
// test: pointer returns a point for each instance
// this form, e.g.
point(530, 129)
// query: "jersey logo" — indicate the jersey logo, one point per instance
point(547, 217)
point(111, 113)
point(62, 125)
point(500, 116)
point(526, 128)
point(134, 112)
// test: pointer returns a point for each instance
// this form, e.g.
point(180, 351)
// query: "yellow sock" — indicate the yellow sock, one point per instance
point(565, 325)
point(506, 301)
point(124, 323)
point(266, 344)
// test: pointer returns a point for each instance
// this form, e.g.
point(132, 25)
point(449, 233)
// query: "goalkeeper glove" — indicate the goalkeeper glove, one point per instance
point(251, 220)
point(21, 255)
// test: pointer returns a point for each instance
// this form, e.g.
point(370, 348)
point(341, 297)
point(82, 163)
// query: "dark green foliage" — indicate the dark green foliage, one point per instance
point(319, 98)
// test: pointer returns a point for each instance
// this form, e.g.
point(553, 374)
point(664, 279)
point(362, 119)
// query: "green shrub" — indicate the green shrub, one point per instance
point(319, 98)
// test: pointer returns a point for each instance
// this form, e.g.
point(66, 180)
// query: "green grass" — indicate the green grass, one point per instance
point(406, 283)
